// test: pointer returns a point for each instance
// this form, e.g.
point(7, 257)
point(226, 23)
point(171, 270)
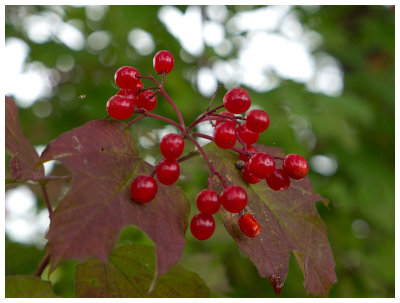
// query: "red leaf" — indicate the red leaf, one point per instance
point(104, 160)
point(24, 158)
point(289, 221)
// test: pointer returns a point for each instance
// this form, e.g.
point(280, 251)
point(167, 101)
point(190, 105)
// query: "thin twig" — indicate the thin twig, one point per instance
point(46, 198)
point(213, 97)
point(190, 155)
point(45, 261)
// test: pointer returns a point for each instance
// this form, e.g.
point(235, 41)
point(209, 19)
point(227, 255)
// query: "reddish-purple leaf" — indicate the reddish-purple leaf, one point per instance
point(103, 159)
point(289, 222)
point(24, 158)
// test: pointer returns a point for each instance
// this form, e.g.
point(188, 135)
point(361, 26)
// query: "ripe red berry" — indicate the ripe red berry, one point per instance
point(249, 225)
point(127, 93)
point(225, 135)
point(202, 226)
point(279, 180)
point(172, 146)
point(248, 175)
point(226, 114)
point(295, 166)
point(250, 149)
point(208, 202)
point(234, 199)
point(163, 61)
point(146, 100)
point(262, 165)
point(143, 189)
point(168, 171)
point(120, 108)
point(247, 135)
point(237, 100)
point(257, 120)
point(126, 77)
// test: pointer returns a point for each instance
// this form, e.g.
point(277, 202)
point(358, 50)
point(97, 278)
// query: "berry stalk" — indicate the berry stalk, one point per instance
point(213, 171)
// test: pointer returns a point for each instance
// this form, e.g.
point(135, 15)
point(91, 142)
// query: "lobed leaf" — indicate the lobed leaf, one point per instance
point(22, 286)
point(129, 273)
point(103, 159)
point(24, 156)
point(289, 222)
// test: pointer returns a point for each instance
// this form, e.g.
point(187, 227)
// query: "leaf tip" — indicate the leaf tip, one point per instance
point(277, 284)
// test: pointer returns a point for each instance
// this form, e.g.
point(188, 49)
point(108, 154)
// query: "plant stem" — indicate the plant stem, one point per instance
point(199, 119)
point(46, 198)
point(148, 114)
point(165, 95)
point(190, 155)
point(213, 171)
point(45, 261)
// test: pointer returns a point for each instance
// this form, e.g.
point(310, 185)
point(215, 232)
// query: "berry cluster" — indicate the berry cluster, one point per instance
point(230, 129)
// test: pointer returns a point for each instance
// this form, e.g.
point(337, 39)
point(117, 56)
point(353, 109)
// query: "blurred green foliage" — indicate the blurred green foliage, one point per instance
point(356, 128)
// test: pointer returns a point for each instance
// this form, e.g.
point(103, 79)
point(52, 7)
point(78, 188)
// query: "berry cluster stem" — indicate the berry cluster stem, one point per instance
point(204, 115)
point(213, 171)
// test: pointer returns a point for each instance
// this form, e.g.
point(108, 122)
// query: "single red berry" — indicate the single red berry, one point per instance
point(295, 166)
point(262, 165)
point(225, 135)
point(120, 108)
point(249, 225)
point(237, 100)
point(126, 77)
point(234, 199)
point(226, 114)
point(172, 146)
point(202, 226)
point(208, 202)
point(248, 175)
point(127, 93)
point(168, 171)
point(279, 180)
point(163, 61)
point(250, 149)
point(257, 120)
point(143, 189)
point(146, 100)
point(247, 135)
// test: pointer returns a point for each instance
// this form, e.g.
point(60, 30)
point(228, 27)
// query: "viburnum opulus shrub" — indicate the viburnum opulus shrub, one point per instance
point(262, 195)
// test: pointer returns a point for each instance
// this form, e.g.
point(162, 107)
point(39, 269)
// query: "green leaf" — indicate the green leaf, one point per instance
point(129, 273)
point(103, 159)
point(289, 221)
point(22, 286)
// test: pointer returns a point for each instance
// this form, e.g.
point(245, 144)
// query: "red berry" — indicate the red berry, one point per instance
point(250, 149)
point(202, 226)
point(248, 175)
point(127, 93)
point(120, 108)
point(279, 180)
point(237, 100)
point(143, 189)
point(234, 199)
point(225, 135)
point(172, 146)
point(168, 171)
point(262, 165)
point(247, 135)
point(257, 120)
point(249, 225)
point(295, 166)
point(163, 61)
point(146, 100)
point(126, 77)
point(226, 114)
point(208, 202)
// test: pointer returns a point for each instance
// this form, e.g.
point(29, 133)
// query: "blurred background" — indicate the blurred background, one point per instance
point(325, 75)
